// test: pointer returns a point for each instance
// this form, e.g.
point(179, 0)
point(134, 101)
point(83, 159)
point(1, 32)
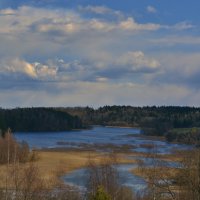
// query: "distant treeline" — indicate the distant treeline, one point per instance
point(153, 120)
point(37, 119)
point(159, 121)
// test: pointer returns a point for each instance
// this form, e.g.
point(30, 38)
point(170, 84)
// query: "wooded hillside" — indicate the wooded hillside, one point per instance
point(37, 119)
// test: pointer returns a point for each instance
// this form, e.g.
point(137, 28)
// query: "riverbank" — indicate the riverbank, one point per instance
point(65, 152)
point(63, 162)
point(52, 163)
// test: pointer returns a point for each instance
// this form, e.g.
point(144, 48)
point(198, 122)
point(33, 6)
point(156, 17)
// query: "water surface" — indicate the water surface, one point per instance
point(78, 178)
point(98, 135)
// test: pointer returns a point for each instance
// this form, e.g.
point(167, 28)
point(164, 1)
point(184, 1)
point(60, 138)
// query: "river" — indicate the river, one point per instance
point(98, 136)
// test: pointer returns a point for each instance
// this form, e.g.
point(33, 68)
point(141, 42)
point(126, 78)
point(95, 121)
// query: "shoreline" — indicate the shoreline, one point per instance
point(53, 164)
point(64, 162)
point(128, 127)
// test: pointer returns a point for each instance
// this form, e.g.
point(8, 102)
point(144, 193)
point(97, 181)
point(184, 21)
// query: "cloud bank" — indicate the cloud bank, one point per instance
point(95, 55)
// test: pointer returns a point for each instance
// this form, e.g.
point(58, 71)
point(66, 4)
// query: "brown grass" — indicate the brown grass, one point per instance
point(52, 164)
point(71, 160)
point(145, 171)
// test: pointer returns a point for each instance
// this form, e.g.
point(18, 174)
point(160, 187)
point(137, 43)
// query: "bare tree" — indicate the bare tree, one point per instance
point(158, 177)
point(105, 175)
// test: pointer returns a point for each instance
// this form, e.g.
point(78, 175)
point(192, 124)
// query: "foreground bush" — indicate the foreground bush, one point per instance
point(101, 195)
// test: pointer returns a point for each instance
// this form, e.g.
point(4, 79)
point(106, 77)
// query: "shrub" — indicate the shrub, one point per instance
point(101, 194)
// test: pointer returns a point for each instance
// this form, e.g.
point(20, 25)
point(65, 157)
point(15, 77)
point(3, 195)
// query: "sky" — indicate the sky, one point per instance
point(99, 52)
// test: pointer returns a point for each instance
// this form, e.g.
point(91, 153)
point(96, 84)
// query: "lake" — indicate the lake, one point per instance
point(97, 136)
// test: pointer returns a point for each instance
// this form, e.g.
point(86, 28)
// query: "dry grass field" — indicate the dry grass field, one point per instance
point(52, 165)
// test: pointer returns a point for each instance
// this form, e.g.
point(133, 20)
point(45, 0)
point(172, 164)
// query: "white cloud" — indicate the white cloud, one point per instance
point(14, 66)
point(96, 9)
point(100, 25)
point(101, 79)
point(131, 25)
point(183, 26)
point(100, 53)
point(130, 62)
point(137, 61)
point(70, 21)
point(45, 71)
point(60, 70)
point(25, 17)
point(151, 9)
point(181, 69)
point(18, 66)
point(101, 10)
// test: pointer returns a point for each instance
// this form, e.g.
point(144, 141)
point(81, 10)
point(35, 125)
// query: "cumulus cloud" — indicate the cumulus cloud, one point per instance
point(138, 62)
point(18, 66)
point(80, 70)
point(27, 19)
point(15, 67)
point(181, 69)
point(45, 70)
point(114, 69)
point(44, 20)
